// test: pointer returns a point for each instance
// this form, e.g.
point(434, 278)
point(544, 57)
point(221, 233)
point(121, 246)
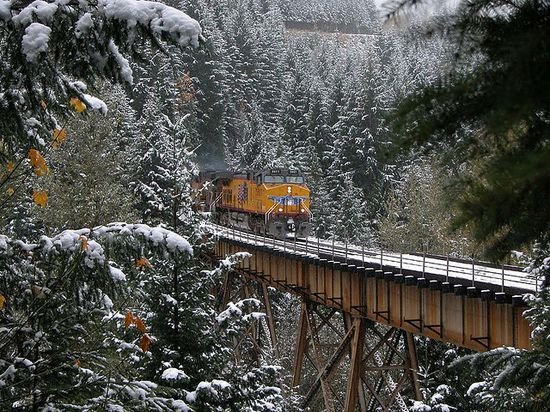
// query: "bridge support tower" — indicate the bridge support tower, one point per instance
point(379, 363)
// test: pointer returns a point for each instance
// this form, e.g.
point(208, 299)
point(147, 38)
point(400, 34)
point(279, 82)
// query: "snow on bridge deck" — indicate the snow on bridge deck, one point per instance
point(504, 278)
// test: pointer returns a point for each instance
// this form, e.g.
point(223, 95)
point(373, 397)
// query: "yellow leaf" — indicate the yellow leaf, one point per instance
point(145, 342)
point(43, 104)
point(2, 301)
point(140, 325)
point(58, 136)
point(40, 198)
point(77, 362)
point(77, 104)
point(128, 319)
point(83, 243)
point(10, 191)
point(37, 162)
point(143, 263)
point(10, 166)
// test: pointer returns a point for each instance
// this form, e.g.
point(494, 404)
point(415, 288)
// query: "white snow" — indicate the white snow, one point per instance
point(25, 362)
point(475, 387)
point(233, 259)
point(35, 41)
point(175, 242)
point(135, 392)
point(158, 236)
point(235, 310)
point(254, 316)
point(5, 10)
point(208, 387)
point(513, 277)
point(174, 374)
point(159, 17)
point(8, 374)
point(71, 240)
point(38, 10)
point(436, 398)
point(78, 85)
point(123, 64)
point(419, 406)
point(169, 299)
point(117, 274)
point(94, 254)
point(83, 25)
point(3, 242)
point(220, 384)
point(107, 302)
point(180, 406)
point(232, 310)
point(128, 346)
point(95, 104)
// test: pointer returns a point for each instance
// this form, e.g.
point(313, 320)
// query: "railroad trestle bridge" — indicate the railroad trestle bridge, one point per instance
point(384, 299)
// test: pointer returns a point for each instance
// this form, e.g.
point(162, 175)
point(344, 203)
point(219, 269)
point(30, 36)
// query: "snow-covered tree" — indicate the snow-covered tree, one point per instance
point(88, 183)
point(165, 168)
point(64, 343)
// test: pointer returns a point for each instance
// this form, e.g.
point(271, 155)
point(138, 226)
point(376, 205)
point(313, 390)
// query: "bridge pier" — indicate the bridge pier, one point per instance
point(382, 362)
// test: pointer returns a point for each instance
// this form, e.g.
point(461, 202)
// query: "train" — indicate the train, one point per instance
point(273, 202)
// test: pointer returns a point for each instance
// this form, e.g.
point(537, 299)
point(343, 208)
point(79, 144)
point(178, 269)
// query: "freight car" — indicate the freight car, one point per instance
point(274, 202)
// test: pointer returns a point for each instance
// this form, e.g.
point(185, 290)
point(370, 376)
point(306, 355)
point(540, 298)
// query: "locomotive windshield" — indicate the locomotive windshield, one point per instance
point(280, 176)
point(295, 179)
point(274, 179)
point(283, 179)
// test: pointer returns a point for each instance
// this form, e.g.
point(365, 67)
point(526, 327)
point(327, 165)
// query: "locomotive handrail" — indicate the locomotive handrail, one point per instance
point(306, 209)
point(268, 213)
point(215, 201)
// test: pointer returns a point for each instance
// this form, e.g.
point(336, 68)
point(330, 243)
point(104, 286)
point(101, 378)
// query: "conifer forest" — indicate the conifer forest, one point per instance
point(419, 127)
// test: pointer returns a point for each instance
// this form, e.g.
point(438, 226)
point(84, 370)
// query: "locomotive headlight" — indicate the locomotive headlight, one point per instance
point(289, 189)
point(280, 209)
point(302, 210)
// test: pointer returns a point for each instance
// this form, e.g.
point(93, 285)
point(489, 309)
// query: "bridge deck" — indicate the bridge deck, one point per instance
point(465, 303)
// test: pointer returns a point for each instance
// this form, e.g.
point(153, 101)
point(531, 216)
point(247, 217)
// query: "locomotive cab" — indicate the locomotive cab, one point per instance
point(271, 201)
point(286, 202)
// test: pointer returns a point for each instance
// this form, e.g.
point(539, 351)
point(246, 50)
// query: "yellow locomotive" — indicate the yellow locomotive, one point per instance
point(274, 202)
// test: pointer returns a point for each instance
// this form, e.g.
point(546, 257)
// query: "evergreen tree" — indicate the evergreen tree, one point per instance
point(47, 46)
point(64, 343)
point(490, 112)
point(89, 181)
point(165, 168)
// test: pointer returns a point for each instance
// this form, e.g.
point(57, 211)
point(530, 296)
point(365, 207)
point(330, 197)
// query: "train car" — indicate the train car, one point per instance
point(275, 202)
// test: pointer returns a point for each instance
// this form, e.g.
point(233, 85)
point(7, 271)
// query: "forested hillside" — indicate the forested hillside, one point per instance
point(260, 95)
point(108, 110)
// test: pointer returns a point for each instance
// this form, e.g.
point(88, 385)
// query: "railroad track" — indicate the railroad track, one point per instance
point(443, 268)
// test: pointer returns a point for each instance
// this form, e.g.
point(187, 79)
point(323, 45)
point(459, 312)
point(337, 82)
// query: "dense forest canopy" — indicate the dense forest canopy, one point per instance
point(109, 108)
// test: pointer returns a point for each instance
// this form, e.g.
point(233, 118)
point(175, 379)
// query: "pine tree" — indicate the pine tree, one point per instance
point(88, 184)
point(491, 112)
point(165, 168)
point(47, 45)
